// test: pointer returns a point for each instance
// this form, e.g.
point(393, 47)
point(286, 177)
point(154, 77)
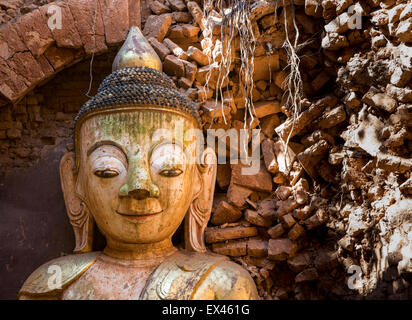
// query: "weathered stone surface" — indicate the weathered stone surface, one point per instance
point(183, 31)
point(311, 156)
point(286, 206)
point(268, 125)
point(265, 108)
point(326, 260)
point(307, 275)
point(299, 262)
point(266, 209)
point(115, 26)
point(84, 21)
point(290, 128)
point(379, 100)
point(313, 8)
point(10, 41)
point(196, 13)
point(13, 85)
point(184, 83)
point(190, 70)
point(332, 118)
point(59, 57)
point(262, 8)
point(319, 218)
point(276, 231)
point(225, 213)
point(212, 110)
point(237, 195)
point(67, 36)
point(264, 65)
point(257, 248)
point(158, 8)
point(162, 50)
point(262, 181)
point(281, 249)
point(404, 30)
point(198, 56)
point(284, 156)
point(177, 51)
point(283, 192)
point(223, 175)
point(401, 94)
point(33, 30)
point(25, 65)
point(231, 248)
point(296, 232)
point(321, 79)
point(173, 66)
point(216, 234)
point(177, 5)
point(181, 17)
point(269, 157)
point(256, 219)
point(287, 221)
point(157, 26)
point(334, 41)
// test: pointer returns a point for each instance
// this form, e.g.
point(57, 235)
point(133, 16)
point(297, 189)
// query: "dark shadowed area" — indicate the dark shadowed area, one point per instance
point(34, 227)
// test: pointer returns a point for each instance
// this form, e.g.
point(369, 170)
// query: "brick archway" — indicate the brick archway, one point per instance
point(31, 53)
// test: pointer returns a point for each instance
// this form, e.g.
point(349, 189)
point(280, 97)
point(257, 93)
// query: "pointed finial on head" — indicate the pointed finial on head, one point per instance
point(136, 51)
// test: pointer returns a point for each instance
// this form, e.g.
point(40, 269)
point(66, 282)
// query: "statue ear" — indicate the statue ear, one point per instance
point(199, 210)
point(76, 208)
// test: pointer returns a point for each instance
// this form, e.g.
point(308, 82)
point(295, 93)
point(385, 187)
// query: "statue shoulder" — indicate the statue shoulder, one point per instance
point(179, 276)
point(229, 281)
point(200, 276)
point(43, 282)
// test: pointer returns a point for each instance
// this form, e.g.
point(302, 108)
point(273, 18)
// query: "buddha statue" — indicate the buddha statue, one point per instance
point(127, 175)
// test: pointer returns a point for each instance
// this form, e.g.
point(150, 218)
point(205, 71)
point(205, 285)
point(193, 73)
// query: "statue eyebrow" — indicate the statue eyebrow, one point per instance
point(104, 142)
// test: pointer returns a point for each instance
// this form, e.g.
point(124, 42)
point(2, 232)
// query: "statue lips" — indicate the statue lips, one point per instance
point(139, 210)
point(139, 216)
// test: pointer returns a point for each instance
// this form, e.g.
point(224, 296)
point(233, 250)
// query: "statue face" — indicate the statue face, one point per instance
point(136, 180)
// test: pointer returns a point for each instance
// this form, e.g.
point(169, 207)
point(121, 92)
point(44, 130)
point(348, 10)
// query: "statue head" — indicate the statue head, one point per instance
point(136, 170)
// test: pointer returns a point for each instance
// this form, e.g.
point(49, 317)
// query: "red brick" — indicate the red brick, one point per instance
point(32, 28)
point(173, 66)
point(216, 234)
point(231, 248)
point(116, 25)
point(67, 36)
point(84, 21)
point(225, 213)
point(257, 248)
point(157, 26)
point(281, 249)
point(276, 231)
point(254, 218)
point(262, 181)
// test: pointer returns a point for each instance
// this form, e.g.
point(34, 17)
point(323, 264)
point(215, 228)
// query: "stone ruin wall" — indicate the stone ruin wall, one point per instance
point(338, 195)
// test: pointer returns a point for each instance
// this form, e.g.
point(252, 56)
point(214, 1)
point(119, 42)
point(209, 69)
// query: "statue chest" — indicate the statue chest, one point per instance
point(106, 281)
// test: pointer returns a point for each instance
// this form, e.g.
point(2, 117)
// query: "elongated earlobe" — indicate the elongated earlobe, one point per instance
point(77, 211)
point(201, 207)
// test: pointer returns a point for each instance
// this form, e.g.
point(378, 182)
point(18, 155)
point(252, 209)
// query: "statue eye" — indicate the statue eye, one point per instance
point(106, 173)
point(171, 172)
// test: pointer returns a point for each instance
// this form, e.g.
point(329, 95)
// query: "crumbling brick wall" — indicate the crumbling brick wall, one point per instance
point(337, 196)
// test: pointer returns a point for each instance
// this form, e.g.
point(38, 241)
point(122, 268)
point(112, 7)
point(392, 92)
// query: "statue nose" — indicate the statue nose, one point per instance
point(139, 186)
point(139, 194)
point(140, 190)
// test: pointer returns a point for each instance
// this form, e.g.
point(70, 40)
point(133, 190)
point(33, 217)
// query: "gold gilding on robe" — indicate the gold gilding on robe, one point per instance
point(69, 268)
